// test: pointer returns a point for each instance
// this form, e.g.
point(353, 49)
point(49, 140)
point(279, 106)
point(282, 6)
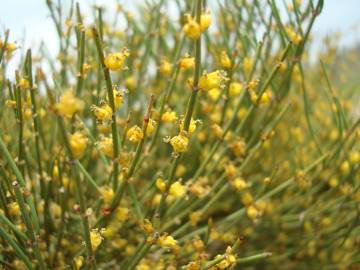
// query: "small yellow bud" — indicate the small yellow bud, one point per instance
point(192, 125)
point(179, 143)
point(135, 134)
point(247, 198)
point(130, 82)
point(205, 21)
point(10, 103)
point(69, 104)
point(345, 167)
point(115, 61)
point(103, 112)
point(106, 145)
point(239, 183)
point(118, 99)
point(165, 68)
point(79, 262)
point(95, 238)
point(168, 117)
point(160, 184)
point(214, 93)
point(107, 194)
point(167, 241)
point(192, 28)
point(121, 214)
point(14, 209)
point(78, 144)
point(150, 127)
point(235, 89)
point(24, 84)
point(177, 189)
point(187, 63)
point(212, 80)
point(225, 60)
point(252, 212)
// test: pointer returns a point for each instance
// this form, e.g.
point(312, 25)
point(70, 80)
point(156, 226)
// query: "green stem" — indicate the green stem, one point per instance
point(29, 226)
point(17, 249)
point(110, 92)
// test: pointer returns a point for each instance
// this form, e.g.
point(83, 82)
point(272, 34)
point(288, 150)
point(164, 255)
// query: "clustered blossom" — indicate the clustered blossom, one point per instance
point(168, 156)
point(116, 61)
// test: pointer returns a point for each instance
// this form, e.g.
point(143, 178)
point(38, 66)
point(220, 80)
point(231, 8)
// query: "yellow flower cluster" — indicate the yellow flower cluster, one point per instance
point(69, 104)
point(78, 144)
point(213, 80)
point(193, 29)
point(116, 61)
point(180, 143)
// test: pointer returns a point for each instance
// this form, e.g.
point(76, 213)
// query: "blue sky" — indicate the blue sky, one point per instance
point(31, 17)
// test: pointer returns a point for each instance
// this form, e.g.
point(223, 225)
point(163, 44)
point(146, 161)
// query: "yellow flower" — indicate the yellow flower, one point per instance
point(225, 60)
point(103, 112)
point(14, 209)
point(78, 144)
point(78, 261)
point(10, 103)
point(354, 157)
point(107, 194)
point(177, 189)
point(165, 68)
point(106, 145)
point(147, 226)
point(160, 184)
point(150, 127)
point(130, 82)
point(24, 84)
point(168, 117)
point(10, 47)
point(196, 265)
point(235, 89)
point(282, 67)
point(115, 61)
point(179, 143)
point(264, 99)
point(121, 214)
point(248, 64)
point(252, 84)
point(228, 261)
point(252, 212)
point(239, 183)
point(27, 113)
point(294, 37)
point(195, 217)
point(135, 134)
point(192, 125)
point(86, 68)
point(218, 131)
point(192, 28)
point(156, 200)
point(333, 182)
point(104, 127)
point(167, 241)
point(345, 167)
point(230, 170)
point(205, 21)
point(69, 104)
point(214, 93)
point(95, 238)
point(247, 198)
point(212, 80)
point(118, 99)
point(187, 63)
